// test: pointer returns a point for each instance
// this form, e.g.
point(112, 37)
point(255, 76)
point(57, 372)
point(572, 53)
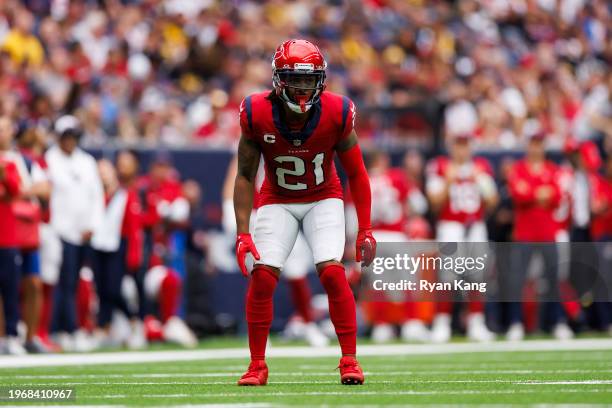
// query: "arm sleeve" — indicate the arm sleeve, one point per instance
point(349, 113)
point(555, 200)
point(246, 117)
point(97, 198)
point(521, 192)
point(11, 179)
point(359, 183)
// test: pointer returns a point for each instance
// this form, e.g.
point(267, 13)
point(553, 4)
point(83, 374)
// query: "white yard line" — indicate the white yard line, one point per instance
point(565, 382)
point(289, 352)
point(354, 391)
point(330, 373)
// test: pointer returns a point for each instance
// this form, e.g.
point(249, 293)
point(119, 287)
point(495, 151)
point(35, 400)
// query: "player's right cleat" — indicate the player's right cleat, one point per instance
point(350, 371)
point(257, 374)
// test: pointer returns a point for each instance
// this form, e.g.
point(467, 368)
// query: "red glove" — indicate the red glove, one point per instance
point(366, 247)
point(244, 245)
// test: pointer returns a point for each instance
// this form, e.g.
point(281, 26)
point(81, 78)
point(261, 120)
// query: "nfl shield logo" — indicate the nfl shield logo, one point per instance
point(297, 142)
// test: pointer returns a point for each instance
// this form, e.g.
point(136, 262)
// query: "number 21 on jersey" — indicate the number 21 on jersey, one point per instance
point(299, 169)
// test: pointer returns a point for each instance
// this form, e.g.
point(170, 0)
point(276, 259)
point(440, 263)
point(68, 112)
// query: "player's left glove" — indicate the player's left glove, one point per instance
point(244, 245)
point(366, 247)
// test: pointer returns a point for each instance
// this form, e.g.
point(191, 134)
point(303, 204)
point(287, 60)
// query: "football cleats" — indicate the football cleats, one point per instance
point(299, 65)
point(257, 374)
point(350, 371)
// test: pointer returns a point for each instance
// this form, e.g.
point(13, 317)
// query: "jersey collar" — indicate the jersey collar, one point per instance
point(296, 138)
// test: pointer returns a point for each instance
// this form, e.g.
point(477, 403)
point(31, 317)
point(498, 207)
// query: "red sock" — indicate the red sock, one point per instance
point(259, 309)
point(169, 294)
point(475, 306)
point(45, 314)
point(444, 302)
point(300, 294)
point(341, 307)
point(84, 300)
point(411, 310)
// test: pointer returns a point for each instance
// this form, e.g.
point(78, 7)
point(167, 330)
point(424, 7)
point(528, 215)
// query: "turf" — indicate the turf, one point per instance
point(576, 377)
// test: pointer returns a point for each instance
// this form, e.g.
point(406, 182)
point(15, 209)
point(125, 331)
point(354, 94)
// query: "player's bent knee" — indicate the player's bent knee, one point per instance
point(271, 269)
point(322, 265)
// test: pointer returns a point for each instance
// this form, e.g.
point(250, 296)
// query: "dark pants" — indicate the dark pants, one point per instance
point(9, 288)
point(513, 283)
point(109, 269)
point(602, 292)
point(145, 306)
point(64, 305)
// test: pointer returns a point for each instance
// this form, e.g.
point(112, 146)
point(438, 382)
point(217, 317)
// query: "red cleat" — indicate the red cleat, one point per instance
point(257, 374)
point(350, 371)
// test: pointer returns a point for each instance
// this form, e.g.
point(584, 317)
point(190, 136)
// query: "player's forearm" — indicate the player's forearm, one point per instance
point(438, 200)
point(359, 183)
point(362, 196)
point(243, 203)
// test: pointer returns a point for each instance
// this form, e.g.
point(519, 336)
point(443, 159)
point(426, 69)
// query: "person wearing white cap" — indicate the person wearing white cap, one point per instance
point(77, 207)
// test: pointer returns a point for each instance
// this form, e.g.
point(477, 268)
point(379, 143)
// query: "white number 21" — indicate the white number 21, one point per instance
point(299, 169)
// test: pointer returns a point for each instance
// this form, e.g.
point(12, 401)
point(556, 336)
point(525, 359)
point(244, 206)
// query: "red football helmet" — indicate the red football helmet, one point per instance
point(298, 64)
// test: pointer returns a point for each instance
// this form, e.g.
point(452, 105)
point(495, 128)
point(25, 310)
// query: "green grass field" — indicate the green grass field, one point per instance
point(561, 377)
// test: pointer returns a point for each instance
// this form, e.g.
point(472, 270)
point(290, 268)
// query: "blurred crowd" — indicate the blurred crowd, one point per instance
point(105, 253)
point(174, 71)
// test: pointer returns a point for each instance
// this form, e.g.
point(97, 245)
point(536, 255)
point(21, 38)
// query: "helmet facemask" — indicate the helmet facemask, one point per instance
point(305, 86)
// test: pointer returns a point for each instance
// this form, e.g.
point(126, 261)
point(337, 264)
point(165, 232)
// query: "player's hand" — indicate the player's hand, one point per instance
point(244, 245)
point(543, 194)
point(451, 173)
point(366, 247)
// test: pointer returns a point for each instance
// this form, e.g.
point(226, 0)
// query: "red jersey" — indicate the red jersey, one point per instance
point(563, 213)
point(601, 197)
point(390, 191)
point(9, 189)
point(464, 202)
point(299, 164)
point(534, 222)
point(131, 230)
point(157, 195)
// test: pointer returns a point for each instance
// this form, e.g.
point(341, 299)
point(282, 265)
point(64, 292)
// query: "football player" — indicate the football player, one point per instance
point(298, 127)
point(394, 199)
point(460, 188)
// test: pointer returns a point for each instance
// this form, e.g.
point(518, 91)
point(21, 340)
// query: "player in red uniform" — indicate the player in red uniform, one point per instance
point(394, 199)
point(536, 195)
point(461, 188)
point(297, 128)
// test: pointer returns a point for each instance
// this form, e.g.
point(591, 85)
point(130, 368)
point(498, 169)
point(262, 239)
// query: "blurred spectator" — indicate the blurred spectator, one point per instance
point(21, 43)
point(77, 207)
point(36, 191)
point(535, 194)
point(495, 65)
point(117, 244)
point(9, 272)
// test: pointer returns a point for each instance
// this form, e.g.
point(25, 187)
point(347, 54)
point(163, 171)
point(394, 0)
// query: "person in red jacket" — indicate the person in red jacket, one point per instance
point(536, 194)
point(9, 271)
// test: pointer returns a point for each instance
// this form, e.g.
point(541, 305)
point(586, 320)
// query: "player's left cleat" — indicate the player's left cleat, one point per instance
point(257, 374)
point(350, 371)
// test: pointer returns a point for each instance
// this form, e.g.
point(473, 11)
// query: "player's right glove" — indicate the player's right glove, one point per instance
point(366, 247)
point(244, 245)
